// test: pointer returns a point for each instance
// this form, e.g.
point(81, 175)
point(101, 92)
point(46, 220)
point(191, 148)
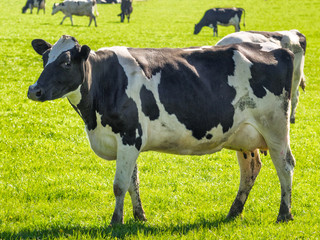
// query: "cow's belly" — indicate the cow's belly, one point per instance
point(103, 142)
point(176, 140)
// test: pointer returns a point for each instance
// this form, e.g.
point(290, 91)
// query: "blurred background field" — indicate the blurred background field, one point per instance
point(53, 186)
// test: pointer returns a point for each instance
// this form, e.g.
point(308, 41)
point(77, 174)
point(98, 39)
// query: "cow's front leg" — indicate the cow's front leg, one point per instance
point(250, 165)
point(126, 161)
point(63, 19)
point(138, 211)
point(215, 31)
point(71, 20)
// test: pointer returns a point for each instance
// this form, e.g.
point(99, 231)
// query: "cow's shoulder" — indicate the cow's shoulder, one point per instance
point(105, 94)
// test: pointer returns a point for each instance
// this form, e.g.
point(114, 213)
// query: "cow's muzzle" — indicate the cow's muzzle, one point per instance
point(35, 93)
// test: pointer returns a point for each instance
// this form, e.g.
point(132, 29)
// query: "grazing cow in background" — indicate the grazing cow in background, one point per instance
point(40, 4)
point(221, 16)
point(189, 101)
point(78, 8)
point(292, 40)
point(126, 9)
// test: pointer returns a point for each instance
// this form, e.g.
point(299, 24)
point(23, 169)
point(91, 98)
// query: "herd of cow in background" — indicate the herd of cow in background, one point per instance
point(79, 8)
point(255, 79)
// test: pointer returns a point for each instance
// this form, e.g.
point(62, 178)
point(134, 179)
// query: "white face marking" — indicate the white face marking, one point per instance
point(63, 44)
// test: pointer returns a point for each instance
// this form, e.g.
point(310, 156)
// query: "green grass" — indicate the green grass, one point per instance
point(53, 186)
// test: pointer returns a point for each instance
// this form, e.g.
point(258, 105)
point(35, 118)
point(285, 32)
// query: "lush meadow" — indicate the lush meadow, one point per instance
point(53, 186)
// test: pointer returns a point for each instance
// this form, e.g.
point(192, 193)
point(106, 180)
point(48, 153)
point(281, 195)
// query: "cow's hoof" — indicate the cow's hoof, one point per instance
point(292, 120)
point(140, 216)
point(116, 220)
point(285, 218)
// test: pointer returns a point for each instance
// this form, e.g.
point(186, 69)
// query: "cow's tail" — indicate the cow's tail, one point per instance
point(244, 17)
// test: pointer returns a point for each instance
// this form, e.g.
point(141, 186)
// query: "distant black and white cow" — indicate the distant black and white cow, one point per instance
point(40, 4)
point(190, 101)
point(126, 9)
point(221, 16)
point(292, 40)
point(78, 8)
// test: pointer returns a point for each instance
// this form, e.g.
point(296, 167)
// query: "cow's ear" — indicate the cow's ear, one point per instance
point(84, 52)
point(40, 45)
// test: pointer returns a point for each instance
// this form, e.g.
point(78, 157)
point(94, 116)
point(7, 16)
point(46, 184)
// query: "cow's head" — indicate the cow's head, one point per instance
point(56, 8)
point(197, 28)
point(63, 68)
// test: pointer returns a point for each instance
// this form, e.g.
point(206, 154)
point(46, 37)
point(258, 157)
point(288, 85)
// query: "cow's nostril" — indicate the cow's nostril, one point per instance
point(38, 93)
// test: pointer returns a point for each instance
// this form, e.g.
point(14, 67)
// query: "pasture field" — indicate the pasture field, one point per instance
point(52, 186)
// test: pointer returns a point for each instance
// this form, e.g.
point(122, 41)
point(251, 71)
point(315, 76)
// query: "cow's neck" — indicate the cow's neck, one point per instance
point(102, 89)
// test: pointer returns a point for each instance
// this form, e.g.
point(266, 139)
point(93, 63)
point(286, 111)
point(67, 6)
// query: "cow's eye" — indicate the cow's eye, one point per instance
point(66, 64)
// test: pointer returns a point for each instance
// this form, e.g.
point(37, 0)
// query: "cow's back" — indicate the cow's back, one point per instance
point(78, 7)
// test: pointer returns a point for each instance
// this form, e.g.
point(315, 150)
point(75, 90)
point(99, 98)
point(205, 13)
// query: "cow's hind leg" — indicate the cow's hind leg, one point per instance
point(138, 211)
point(250, 165)
point(90, 21)
point(95, 21)
point(284, 163)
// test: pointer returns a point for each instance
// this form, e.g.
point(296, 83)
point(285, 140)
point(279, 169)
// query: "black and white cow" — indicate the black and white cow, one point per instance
point(40, 4)
point(189, 101)
point(221, 16)
point(292, 40)
point(126, 9)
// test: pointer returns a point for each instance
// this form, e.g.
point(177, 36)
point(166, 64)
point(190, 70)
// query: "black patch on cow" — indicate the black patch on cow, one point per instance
point(193, 85)
point(106, 95)
point(302, 41)
point(150, 60)
point(148, 103)
point(271, 70)
point(209, 136)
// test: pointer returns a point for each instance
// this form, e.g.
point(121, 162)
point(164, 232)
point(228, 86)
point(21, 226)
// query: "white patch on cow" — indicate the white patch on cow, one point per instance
point(196, 49)
point(239, 37)
point(234, 21)
point(74, 96)
point(103, 141)
point(211, 26)
point(268, 46)
point(63, 44)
